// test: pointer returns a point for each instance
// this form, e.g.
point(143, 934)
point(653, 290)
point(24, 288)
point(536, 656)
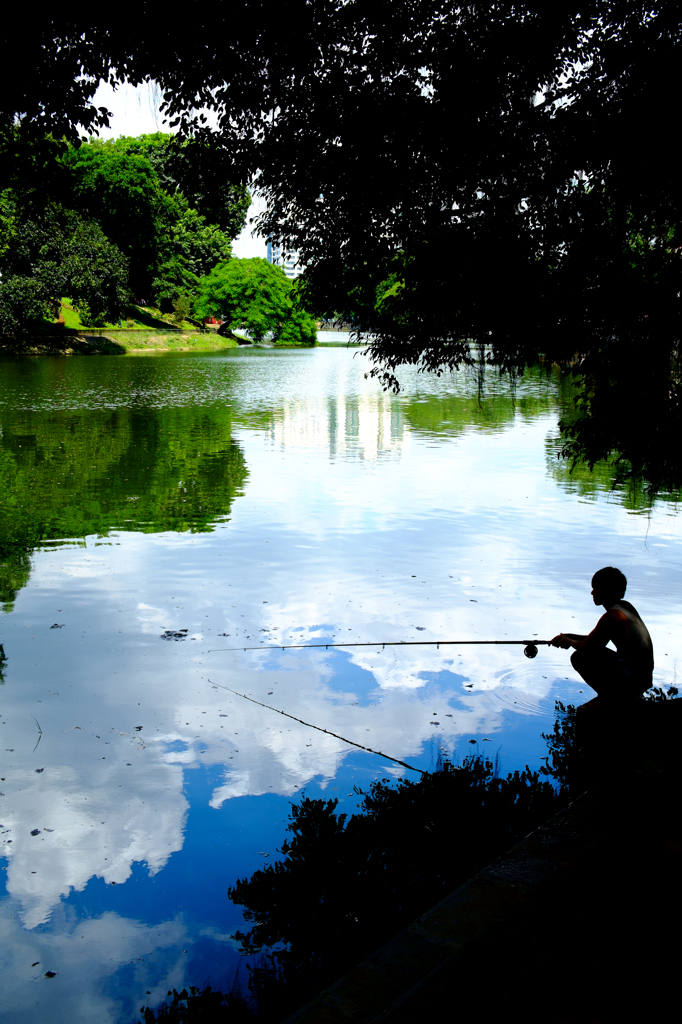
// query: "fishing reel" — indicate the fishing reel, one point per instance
point(531, 651)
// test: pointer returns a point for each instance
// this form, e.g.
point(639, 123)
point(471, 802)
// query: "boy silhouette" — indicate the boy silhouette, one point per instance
point(626, 672)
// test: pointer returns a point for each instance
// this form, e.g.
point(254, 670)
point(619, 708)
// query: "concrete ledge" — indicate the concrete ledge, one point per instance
point(442, 938)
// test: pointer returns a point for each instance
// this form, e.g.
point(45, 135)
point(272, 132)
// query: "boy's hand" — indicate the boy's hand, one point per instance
point(561, 641)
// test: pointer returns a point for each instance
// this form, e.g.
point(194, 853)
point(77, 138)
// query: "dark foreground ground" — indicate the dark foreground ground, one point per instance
point(578, 923)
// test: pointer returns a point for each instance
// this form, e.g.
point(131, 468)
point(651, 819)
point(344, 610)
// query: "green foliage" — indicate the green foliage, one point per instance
point(60, 253)
point(629, 411)
point(561, 743)
point(164, 244)
point(8, 221)
point(15, 570)
point(188, 249)
point(255, 296)
point(23, 301)
point(182, 308)
point(121, 192)
point(68, 475)
point(199, 172)
point(126, 186)
point(31, 169)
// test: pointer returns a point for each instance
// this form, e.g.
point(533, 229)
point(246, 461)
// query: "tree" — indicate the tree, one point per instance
point(169, 243)
point(188, 248)
point(56, 255)
point(122, 193)
point(497, 160)
point(255, 296)
point(200, 172)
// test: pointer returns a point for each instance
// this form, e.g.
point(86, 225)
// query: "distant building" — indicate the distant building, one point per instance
point(290, 266)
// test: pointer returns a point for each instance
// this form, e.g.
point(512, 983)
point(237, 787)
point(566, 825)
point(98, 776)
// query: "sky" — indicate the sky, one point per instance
point(136, 112)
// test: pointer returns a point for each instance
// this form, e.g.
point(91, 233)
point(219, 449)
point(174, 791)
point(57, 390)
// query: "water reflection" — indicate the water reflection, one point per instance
point(361, 515)
point(75, 474)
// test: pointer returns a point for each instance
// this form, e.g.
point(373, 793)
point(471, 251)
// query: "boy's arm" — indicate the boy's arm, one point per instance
point(566, 640)
point(599, 637)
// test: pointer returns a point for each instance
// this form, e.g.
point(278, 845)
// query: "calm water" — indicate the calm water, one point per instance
point(250, 498)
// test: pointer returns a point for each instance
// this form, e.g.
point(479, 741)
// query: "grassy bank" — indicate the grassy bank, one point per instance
point(119, 342)
point(142, 330)
point(115, 341)
point(135, 318)
point(172, 341)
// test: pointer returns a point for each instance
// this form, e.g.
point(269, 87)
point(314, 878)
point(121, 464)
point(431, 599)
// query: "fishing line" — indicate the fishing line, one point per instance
point(319, 729)
point(40, 733)
point(530, 646)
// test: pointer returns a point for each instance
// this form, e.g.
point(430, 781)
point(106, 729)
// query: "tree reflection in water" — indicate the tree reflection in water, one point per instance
point(345, 887)
point(68, 475)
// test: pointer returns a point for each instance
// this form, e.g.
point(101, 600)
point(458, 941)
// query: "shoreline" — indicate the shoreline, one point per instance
point(118, 341)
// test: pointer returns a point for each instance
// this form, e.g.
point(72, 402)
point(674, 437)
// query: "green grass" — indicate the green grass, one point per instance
point(71, 318)
point(117, 343)
point(143, 329)
point(206, 341)
point(135, 318)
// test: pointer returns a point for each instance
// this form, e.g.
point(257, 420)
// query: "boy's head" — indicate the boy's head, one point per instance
point(608, 583)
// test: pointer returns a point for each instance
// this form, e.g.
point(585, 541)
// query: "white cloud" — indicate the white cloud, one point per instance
point(85, 956)
point(92, 822)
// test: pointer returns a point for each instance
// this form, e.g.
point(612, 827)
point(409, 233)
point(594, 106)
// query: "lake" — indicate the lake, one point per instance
point(159, 514)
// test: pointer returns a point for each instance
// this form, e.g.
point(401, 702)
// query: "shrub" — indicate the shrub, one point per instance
point(182, 308)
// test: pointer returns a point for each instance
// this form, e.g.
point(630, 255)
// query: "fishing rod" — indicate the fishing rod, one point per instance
point(530, 647)
point(318, 727)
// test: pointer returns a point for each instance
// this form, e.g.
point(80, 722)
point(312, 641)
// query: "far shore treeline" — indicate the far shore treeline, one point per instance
point(126, 232)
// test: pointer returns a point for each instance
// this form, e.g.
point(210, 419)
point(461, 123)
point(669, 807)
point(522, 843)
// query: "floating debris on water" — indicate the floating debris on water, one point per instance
point(178, 634)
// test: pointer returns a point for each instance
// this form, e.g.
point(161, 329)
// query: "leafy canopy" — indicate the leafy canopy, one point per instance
point(168, 242)
point(201, 172)
point(57, 254)
point(255, 296)
point(130, 222)
point(509, 169)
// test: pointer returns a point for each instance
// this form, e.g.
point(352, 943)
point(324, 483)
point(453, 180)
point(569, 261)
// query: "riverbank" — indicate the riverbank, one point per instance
point(119, 342)
point(558, 929)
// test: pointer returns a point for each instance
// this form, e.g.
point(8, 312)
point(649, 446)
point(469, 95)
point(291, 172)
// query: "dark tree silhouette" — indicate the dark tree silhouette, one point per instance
point(504, 173)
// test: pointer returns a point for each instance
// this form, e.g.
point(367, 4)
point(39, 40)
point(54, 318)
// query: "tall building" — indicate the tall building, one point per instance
point(290, 266)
